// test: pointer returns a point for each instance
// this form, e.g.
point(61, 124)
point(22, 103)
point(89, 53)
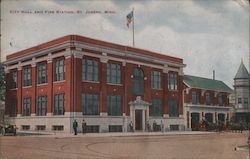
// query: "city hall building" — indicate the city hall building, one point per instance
point(206, 99)
point(108, 85)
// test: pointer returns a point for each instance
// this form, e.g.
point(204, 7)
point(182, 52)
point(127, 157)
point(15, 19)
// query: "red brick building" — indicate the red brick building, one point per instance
point(205, 99)
point(108, 85)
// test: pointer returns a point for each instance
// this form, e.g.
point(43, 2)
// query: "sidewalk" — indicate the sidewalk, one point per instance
point(115, 134)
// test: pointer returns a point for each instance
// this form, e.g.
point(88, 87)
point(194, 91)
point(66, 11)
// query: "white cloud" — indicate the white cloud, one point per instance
point(207, 37)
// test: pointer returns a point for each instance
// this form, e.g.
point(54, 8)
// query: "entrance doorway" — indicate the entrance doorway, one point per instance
point(138, 119)
point(221, 117)
point(209, 117)
point(195, 119)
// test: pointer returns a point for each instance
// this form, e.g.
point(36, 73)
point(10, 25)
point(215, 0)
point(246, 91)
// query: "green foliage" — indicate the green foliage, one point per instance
point(2, 82)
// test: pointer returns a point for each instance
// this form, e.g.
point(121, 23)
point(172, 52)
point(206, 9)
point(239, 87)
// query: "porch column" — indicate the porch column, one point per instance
point(143, 120)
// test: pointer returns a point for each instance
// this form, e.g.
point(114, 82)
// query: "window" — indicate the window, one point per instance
point(25, 127)
point(59, 104)
point(26, 106)
point(90, 70)
point(138, 83)
point(208, 99)
point(115, 128)
point(156, 108)
point(172, 81)
point(42, 73)
point(59, 70)
point(173, 108)
point(27, 76)
point(195, 97)
point(221, 99)
point(40, 127)
point(245, 100)
point(14, 80)
point(239, 101)
point(114, 105)
point(174, 127)
point(58, 127)
point(13, 107)
point(156, 79)
point(114, 73)
point(90, 104)
point(42, 106)
point(92, 128)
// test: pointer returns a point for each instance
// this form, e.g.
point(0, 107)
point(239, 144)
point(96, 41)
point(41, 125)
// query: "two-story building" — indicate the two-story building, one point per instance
point(108, 85)
point(205, 99)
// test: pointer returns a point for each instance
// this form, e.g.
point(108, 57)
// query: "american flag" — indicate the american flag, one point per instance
point(130, 17)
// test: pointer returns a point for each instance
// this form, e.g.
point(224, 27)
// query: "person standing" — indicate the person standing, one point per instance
point(162, 127)
point(84, 125)
point(75, 125)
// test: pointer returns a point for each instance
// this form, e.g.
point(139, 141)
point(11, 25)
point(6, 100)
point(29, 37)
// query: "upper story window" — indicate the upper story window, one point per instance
point(90, 70)
point(195, 97)
point(156, 108)
point(26, 106)
point(114, 73)
point(138, 82)
point(14, 79)
point(59, 70)
point(42, 73)
point(172, 81)
point(221, 99)
point(245, 101)
point(239, 101)
point(156, 79)
point(208, 99)
point(27, 76)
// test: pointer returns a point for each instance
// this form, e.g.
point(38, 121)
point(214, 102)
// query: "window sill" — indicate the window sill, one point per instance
point(42, 84)
point(13, 89)
point(158, 89)
point(27, 86)
point(59, 81)
point(173, 90)
point(90, 81)
point(115, 84)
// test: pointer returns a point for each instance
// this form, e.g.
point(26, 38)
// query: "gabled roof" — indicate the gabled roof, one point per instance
point(205, 83)
point(242, 72)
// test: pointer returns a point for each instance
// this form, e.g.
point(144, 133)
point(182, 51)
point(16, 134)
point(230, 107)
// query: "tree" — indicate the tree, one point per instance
point(2, 82)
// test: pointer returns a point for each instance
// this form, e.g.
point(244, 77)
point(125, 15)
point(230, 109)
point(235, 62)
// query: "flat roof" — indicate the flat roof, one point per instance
point(101, 43)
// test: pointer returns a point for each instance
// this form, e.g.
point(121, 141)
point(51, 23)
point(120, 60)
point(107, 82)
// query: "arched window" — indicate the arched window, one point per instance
point(138, 83)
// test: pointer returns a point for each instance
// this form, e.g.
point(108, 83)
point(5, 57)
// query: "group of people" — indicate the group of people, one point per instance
point(156, 127)
point(75, 126)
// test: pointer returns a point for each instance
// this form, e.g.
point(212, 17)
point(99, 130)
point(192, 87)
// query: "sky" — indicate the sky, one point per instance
point(208, 35)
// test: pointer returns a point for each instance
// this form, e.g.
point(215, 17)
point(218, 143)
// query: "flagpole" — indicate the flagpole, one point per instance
point(133, 28)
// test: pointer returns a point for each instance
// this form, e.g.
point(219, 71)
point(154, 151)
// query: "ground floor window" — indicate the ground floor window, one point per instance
point(173, 108)
point(40, 127)
point(25, 127)
point(58, 127)
point(115, 128)
point(156, 108)
point(92, 128)
point(174, 127)
point(114, 105)
point(59, 104)
point(26, 106)
point(90, 104)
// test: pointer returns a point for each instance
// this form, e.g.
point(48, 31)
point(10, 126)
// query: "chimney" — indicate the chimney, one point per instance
point(213, 74)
